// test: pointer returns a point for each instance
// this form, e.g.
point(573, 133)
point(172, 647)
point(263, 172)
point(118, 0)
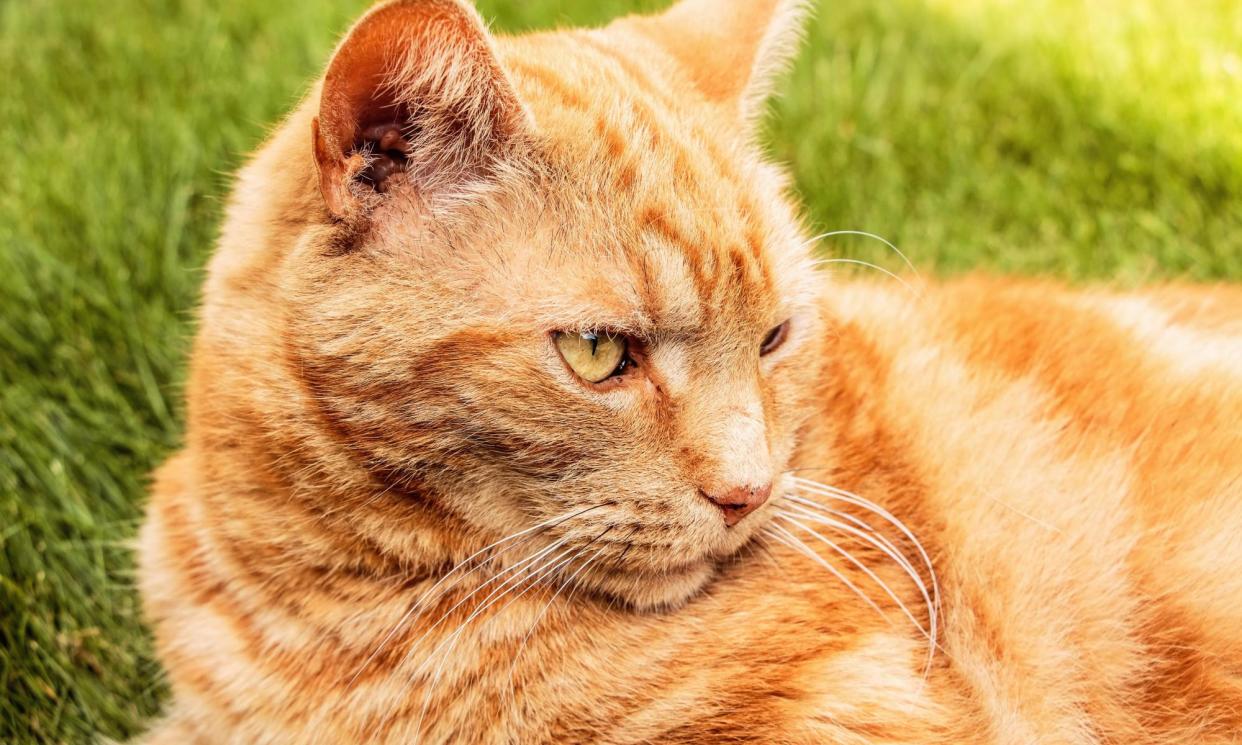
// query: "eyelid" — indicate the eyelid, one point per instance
point(775, 338)
point(632, 336)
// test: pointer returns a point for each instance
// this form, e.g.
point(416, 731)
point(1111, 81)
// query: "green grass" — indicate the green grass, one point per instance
point(1100, 142)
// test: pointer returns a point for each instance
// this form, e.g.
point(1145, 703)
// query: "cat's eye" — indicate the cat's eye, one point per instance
point(774, 338)
point(594, 357)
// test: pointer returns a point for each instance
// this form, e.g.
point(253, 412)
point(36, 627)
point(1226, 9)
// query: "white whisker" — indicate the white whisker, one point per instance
point(442, 652)
point(858, 528)
point(865, 234)
point(1046, 526)
point(882, 584)
point(793, 541)
point(875, 539)
point(762, 547)
point(418, 603)
point(860, 262)
point(851, 498)
point(856, 521)
point(517, 574)
point(522, 647)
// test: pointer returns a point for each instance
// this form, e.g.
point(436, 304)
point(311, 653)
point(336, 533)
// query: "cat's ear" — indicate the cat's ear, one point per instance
point(415, 92)
point(733, 50)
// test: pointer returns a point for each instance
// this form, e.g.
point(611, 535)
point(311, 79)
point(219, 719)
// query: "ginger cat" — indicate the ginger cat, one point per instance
point(520, 413)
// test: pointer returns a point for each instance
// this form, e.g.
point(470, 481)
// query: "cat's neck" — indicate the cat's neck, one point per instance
point(283, 486)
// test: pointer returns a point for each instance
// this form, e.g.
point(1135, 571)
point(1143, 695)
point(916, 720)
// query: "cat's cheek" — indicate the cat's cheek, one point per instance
point(650, 388)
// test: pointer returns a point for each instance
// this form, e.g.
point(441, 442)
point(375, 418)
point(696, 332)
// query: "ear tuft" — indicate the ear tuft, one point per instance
point(413, 91)
point(733, 50)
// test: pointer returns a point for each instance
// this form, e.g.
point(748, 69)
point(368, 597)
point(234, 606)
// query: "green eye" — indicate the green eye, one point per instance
point(593, 357)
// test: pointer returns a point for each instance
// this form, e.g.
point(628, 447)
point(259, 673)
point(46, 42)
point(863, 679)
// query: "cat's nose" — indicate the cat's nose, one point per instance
point(739, 501)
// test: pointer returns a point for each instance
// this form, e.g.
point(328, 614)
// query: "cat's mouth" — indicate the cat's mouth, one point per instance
point(650, 565)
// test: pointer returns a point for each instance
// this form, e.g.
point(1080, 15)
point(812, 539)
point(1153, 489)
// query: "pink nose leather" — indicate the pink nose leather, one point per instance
point(740, 501)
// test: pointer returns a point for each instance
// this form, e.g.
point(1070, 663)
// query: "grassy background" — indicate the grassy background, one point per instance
point(1086, 140)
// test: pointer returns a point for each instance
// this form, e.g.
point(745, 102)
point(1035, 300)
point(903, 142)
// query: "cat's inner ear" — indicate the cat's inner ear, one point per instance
point(733, 50)
point(413, 92)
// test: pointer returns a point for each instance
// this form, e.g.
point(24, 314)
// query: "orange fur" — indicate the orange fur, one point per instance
point(375, 400)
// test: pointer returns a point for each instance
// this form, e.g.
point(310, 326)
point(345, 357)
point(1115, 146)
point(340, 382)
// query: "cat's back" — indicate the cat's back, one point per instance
point(1153, 375)
point(1073, 460)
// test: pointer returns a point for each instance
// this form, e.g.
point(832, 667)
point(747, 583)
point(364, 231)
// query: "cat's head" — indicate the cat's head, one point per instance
point(549, 281)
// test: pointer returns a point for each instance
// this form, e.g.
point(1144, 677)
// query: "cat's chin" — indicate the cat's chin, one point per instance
point(651, 591)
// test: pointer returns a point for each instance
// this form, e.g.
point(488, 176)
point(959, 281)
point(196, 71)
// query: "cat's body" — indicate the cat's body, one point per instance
point(369, 409)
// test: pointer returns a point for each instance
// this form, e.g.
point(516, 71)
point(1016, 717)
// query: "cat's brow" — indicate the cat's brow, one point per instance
point(643, 328)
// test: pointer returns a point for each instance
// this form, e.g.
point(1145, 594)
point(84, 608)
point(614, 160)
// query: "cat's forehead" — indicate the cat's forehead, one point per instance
point(655, 192)
point(603, 111)
point(669, 267)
